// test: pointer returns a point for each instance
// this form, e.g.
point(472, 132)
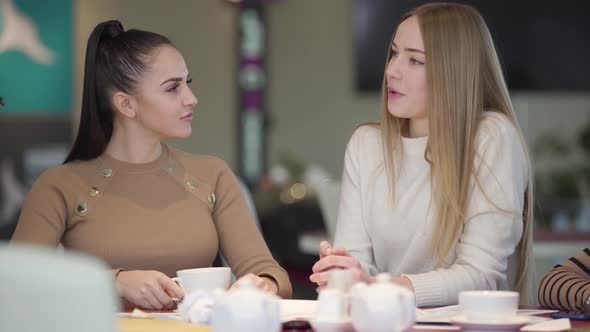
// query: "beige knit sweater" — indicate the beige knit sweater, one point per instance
point(170, 214)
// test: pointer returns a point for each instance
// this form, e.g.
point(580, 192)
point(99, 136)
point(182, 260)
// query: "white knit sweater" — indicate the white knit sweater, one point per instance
point(396, 238)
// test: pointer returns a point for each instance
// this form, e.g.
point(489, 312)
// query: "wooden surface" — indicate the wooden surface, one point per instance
point(128, 324)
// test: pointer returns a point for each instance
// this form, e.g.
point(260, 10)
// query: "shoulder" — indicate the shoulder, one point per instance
point(364, 150)
point(366, 136)
point(61, 175)
point(499, 141)
point(367, 132)
point(67, 178)
point(497, 127)
point(200, 165)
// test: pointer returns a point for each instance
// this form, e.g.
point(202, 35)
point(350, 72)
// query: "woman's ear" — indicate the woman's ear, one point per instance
point(125, 104)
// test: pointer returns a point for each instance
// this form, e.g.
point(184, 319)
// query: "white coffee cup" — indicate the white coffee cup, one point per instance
point(206, 279)
point(488, 306)
point(332, 305)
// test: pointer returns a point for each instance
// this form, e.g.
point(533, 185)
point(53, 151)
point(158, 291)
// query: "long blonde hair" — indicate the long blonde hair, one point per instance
point(464, 80)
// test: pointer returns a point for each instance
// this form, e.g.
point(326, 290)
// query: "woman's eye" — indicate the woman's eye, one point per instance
point(416, 62)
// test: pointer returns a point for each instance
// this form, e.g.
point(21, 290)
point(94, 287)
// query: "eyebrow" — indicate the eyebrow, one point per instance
point(175, 79)
point(409, 49)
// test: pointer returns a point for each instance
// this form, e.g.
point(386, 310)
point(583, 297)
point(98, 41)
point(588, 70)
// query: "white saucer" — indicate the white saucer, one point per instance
point(512, 324)
point(344, 325)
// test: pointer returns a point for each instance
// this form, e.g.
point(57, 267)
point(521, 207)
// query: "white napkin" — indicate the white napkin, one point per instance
point(561, 324)
point(138, 313)
point(445, 314)
point(437, 315)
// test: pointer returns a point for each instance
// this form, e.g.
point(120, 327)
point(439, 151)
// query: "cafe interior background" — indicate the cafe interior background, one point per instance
point(281, 86)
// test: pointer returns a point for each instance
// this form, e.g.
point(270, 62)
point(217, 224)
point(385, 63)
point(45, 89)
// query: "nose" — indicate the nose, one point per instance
point(190, 99)
point(393, 69)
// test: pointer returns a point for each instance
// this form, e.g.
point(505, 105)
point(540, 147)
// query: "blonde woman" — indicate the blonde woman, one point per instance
point(437, 193)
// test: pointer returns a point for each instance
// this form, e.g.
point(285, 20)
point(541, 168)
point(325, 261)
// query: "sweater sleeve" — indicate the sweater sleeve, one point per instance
point(567, 286)
point(241, 243)
point(42, 220)
point(350, 228)
point(493, 224)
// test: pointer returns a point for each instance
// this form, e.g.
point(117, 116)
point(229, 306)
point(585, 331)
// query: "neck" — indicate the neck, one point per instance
point(133, 144)
point(418, 128)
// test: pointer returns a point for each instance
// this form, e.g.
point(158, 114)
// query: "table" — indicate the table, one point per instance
point(576, 325)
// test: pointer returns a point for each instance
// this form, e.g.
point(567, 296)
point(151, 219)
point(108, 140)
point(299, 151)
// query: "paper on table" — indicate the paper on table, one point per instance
point(297, 309)
point(435, 327)
point(437, 315)
point(530, 312)
point(444, 314)
point(137, 313)
point(561, 324)
point(306, 309)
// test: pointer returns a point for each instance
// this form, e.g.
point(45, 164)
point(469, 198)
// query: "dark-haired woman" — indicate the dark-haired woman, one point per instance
point(145, 208)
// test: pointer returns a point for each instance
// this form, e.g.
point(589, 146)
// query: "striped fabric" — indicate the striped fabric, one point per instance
point(567, 285)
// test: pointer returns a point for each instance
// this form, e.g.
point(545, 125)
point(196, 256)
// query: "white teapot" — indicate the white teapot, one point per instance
point(382, 306)
point(246, 309)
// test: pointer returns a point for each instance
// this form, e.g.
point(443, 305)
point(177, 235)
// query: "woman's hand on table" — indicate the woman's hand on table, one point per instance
point(339, 258)
point(336, 258)
point(262, 283)
point(148, 289)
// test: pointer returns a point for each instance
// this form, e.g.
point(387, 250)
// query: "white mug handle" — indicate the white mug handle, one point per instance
point(177, 280)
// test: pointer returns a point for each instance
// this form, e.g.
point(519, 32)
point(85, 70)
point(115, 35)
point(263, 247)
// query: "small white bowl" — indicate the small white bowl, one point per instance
point(488, 306)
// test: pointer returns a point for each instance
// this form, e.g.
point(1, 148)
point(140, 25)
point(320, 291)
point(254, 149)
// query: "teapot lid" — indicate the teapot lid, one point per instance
point(383, 284)
point(382, 278)
point(247, 290)
point(245, 283)
point(246, 305)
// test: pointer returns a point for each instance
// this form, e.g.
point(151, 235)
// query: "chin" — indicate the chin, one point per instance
point(399, 112)
point(185, 133)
